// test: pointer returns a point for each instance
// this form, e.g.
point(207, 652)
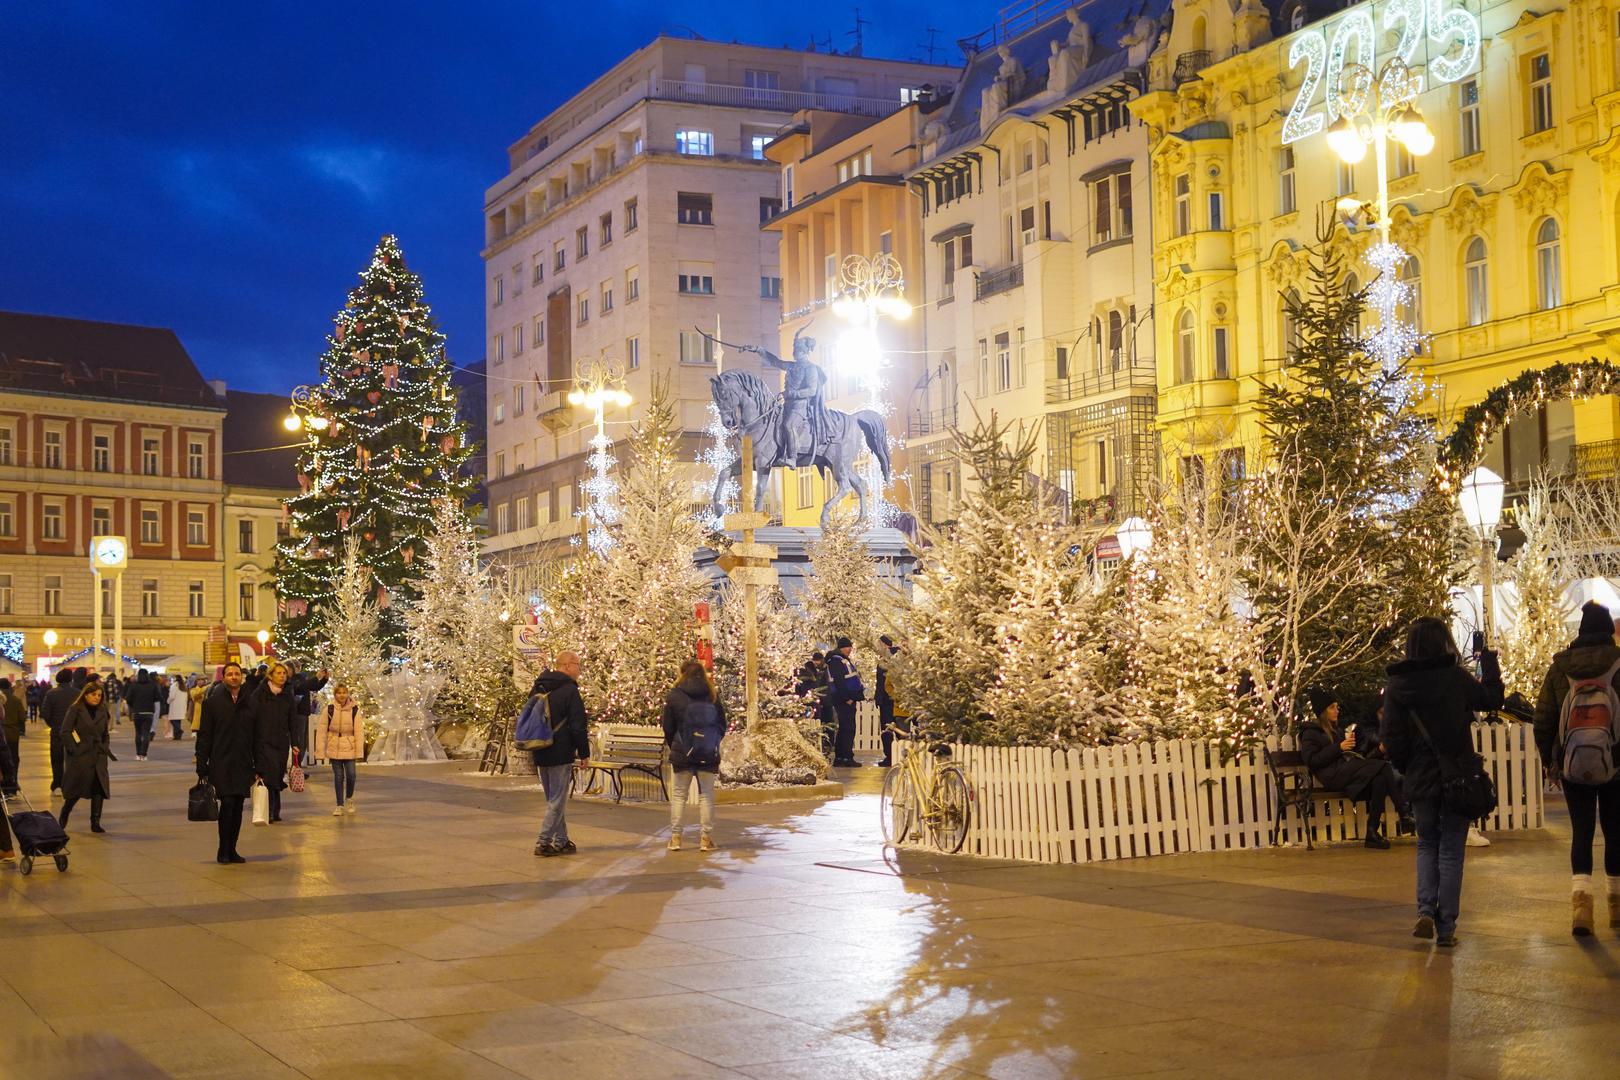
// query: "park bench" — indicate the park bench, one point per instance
point(1296, 788)
point(626, 747)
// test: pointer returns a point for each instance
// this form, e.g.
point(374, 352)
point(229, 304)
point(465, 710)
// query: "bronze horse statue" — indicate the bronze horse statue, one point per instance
point(748, 407)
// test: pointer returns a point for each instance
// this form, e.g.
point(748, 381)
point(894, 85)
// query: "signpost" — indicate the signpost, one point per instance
point(749, 564)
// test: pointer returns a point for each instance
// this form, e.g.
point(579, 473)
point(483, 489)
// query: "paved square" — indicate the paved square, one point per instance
point(421, 938)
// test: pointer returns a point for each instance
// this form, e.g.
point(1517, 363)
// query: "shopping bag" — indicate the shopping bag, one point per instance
point(261, 803)
point(202, 805)
point(295, 775)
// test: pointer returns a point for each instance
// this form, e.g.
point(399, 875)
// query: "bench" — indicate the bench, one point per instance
point(621, 747)
point(1296, 788)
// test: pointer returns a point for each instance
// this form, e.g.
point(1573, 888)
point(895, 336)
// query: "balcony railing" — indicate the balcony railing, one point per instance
point(1085, 384)
point(1597, 461)
point(1189, 64)
point(921, 422)
point(750, 97)
point(992, 282)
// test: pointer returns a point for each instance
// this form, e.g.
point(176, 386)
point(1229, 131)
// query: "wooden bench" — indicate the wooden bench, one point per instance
point(620, 747)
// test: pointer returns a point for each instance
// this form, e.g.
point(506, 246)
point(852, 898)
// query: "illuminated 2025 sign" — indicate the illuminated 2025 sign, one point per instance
point(1435, 37)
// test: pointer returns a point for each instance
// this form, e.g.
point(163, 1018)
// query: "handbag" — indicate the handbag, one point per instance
point(261, 803)
point(1465, 787)
point(202, 804)
point(295, 775)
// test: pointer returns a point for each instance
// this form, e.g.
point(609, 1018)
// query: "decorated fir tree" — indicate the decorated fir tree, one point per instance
point(384, 446)
point(846, 593)
point(783, 747)
point(1539, 572)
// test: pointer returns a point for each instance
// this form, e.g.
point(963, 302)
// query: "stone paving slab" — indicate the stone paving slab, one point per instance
point(420, 937)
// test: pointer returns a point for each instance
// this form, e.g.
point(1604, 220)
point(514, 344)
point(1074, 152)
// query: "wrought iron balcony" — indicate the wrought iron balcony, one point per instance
point(788, 101)
point(992, 282)
point(1084, 384)
point(1598, 460)
point(921, 422)
point(1189, 64)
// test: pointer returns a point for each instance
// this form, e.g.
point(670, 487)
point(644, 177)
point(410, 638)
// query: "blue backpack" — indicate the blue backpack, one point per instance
point(534, 725)
point(697, 740)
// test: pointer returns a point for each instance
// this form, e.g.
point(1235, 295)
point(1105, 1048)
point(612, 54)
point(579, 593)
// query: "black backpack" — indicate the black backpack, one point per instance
point(697, 739)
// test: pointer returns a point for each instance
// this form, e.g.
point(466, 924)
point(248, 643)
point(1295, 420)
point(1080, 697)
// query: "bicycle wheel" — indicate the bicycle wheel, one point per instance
point(896, 806)
point(954, 810)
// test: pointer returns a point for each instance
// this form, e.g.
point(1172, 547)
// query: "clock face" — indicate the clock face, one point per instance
point(110, 551)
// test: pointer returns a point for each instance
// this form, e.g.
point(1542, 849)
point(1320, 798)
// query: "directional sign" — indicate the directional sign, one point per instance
point(762, 576)
point(750, 550)
point(741, 522)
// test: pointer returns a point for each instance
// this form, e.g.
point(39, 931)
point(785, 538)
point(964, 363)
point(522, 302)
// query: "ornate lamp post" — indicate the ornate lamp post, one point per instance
point(1135, 538)
point(868, 291)
point(308, 412)
point(1481, 499)
point(598, 383)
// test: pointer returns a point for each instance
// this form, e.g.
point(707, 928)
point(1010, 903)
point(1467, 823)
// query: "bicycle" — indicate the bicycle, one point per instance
point(930, 795)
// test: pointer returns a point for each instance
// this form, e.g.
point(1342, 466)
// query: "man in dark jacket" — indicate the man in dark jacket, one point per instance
point(12, 717)
point(226, 742)
point(890, 715)
point(844, 691)
point(142, 698)
point(53, 711)
point(570, 742)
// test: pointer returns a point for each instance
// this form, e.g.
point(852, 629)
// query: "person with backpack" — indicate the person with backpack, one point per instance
point(142, 698)
point(341, 739)
point(844, 692)
point(1428, 717)
point(694, 723)
point(559, 704)
point(1577, 724)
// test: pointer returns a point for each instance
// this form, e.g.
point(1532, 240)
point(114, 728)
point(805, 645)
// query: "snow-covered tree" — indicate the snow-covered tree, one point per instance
point(783, 741)
point(1539, 573)
point(351, 651)
point(847, 593)
point(404, 718)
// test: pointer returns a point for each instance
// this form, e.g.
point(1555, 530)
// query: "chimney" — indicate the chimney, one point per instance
point(219, 388)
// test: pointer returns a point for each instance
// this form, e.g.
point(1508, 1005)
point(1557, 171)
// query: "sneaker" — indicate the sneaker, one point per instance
point(1477, 838)
point(1447, 941)
point(349, 806)
point(546, 850)
point(337, 811)
point(674, 842)
point(1424, 928)
point(1376, 840)
point(567, 848)
point(707, 843)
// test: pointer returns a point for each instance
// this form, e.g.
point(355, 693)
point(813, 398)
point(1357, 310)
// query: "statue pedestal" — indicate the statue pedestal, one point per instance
point(792, 563)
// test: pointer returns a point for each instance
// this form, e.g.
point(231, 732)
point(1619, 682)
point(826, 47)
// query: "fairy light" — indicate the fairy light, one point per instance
point(870, 290)
point(598, 383)
point(717, 458)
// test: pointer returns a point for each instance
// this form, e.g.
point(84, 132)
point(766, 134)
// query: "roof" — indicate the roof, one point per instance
point(49, 354)
point(252, 426)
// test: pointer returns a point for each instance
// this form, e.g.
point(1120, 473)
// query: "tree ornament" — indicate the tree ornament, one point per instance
point(390, 375)
point(369, 535)
point(340, 332)
point(373, 396)
point(343, 518)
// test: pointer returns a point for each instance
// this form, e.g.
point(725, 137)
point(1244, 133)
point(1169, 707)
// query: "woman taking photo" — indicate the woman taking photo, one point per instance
point(85, 753)
point(342, 741)
point(694, 723)
point(275, 720)
point(1429, 706)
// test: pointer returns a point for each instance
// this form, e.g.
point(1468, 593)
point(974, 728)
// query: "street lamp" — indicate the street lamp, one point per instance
point(1481, 499)
point(307, 411)
point(598, 383)
point(870, 290)
point(264, 639)
point(50, 639)
point(1135, 538)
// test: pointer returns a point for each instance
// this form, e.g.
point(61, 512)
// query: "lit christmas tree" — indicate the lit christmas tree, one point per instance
point(384, 446)
point(784, 746)
point(1539, 571)
point(352, 653)
point(844, 593)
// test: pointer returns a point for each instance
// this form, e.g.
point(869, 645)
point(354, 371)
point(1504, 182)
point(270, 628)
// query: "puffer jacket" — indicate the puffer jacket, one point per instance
point(1446, 697)
point(1332, 767)
point(341, 734)
point(1588, 656)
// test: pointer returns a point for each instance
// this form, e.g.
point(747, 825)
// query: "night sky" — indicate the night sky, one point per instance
point(226, 169)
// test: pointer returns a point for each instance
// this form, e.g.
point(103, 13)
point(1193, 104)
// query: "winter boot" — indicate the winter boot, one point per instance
point(1581, 923)
point(674, 841)
point(706, 843)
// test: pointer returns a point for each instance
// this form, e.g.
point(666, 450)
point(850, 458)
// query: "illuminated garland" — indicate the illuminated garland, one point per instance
point(718, 457)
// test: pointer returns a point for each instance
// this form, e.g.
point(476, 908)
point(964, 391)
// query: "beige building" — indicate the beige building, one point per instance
point(629, 222)
point(1033, 185)
point(261, 473)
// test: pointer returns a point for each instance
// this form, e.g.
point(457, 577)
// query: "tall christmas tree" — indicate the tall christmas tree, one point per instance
point(384, 446)
point(845, 595)
point(1539, 571)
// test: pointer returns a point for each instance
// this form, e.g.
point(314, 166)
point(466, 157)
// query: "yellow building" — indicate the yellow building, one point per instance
point(1511, 220)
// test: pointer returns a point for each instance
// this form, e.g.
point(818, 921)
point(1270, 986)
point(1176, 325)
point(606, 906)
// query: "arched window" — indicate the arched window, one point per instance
point(1475, 283)
point(1097, 345)
point(1412, 310)
point(1116, 341)
point(1290, 325)
point(1186, 346)
point(1296, 18)
point(1549, 282)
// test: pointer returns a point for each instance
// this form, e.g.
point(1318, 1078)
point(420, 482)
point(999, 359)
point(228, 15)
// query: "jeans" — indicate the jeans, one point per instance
point(1588, 805)
point(844, 744)
point(174, 723)
point(1376, 796)
point(886, 720)
point(143, 734)
point(679, 788)
point(555, 780)
point(230, 823)
point(1442, 841)
point(343, 779)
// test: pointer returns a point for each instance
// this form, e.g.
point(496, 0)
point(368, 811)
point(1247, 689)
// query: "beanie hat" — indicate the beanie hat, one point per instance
point(844, 642)
point(1596, 620)
point(1320, 698)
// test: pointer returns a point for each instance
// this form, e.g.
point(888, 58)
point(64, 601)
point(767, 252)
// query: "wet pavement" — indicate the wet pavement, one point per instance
point(422, 938)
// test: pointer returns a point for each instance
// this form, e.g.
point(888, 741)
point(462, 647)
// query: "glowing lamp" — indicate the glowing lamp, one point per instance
point(896, 307)
point(319, 423)
point(292, 423)
point(1412, 131)
point(575, 397)
point(263, 636)
point(1481, 499)
point(1346, 141)
point(858, 350)
point(50, 639)
point(1135, 536)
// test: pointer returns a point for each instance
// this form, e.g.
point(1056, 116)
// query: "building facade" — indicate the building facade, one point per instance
point(1510, 221)
point(1038, 260)
point(261, 474)
point(629, 225)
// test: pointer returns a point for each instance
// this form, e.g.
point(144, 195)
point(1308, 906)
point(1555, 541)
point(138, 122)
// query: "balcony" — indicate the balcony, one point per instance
point(1597, 461)
point(1111, 377)
point(554, 412)
point(787, 101)
point(992, 282)
point(1189, 64)
point(920, 423)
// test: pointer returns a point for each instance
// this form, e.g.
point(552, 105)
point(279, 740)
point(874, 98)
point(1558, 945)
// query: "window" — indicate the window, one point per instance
point(53, 594)
point(632, 285)
point(1549, 282)
point(539, 269)
point(1287, 199)
point(787, 186)
point(1221, 356)
point(5, 594)
point(517, 279)
point(8, 443)
point(1403, 163)
point(1290, 324)
point(807, 487)
point(559, 255)
point(517, 340)
point(1541, 103)
point(1344, 179)
point(605, 230)
point(500, 412)
point(1020, 358)
point(947, 258)
point(8, 518)
point(1412, 311)
point(51, 526)
point(149, 598)
point(967, 250)
point(1186, 348)
point(500, 348)
point(829, 271)
point(632, 218)
point(522, 511)
point(607, 297)
point(1003, 363)
point(697, 284)
point(500, 289)
point(757, 145)
point(151, 456)
point(770, 288)
point(854, 166)
point(582, 242)
point(1183, 204)
point(696, 348)
point(539, 330)
point(1468, 141)
point(101, 452)
point(500, 464)
point(100, 520)
point(503, 518)
point(1475, 282)
point(244, 536)
point(247, 602)
point(194, 600)
point(520, 454)
point(584, 310)
point(54, 441)
point(151, 525)
point(1217, 211)
point(984, 368)
point(1116, 340)
point(1026, 156)
point(632, 353)
point(519, 398)
point(196, 528)
point(694, 208)
point(1111, 207)
point(769, 208)
point(1026, 224)
point(695, 143)
point(908, 94)
point(194, 459)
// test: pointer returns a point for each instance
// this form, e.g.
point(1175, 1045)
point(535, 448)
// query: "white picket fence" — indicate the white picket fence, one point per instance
point(1121, 802)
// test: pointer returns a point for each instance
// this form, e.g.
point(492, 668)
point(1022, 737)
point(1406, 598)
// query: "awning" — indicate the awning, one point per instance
point(952, 233)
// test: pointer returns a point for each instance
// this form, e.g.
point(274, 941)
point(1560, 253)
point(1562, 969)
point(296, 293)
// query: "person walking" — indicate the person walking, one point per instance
point(273, 709)
point(13, 717)
point(694, 723)
point(892, 717)
point(1430, 687)
point(87, 736)
point(305, 685)
point(34, 691)
point(1592, 657)
point(178, 706)
point(142, 698)
point(844, 691)
point(1331, 757)
point(227, 741)
point(53, 711)
point(570, 741)
point(341, 739)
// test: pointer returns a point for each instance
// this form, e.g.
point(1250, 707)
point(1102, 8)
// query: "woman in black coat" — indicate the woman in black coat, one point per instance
point(275, 717)
point(1327, 753)
point(227, 740)
point(85, 754)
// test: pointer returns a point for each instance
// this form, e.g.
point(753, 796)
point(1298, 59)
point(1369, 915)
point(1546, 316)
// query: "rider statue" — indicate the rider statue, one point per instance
point(804, 403)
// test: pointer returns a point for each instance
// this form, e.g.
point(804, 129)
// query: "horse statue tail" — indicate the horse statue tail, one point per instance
point(877, 439)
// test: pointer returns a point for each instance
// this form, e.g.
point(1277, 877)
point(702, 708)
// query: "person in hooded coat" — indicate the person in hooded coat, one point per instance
point(1329, 754)
point(1589, 656)
point(227, 743)
point(1432, 686)
point(142, 697)
point(693, 687)
point(570, 742)
point(275, 720)
point(85, 744)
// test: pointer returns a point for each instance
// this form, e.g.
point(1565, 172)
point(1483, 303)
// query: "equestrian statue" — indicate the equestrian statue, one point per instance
point(795, 429)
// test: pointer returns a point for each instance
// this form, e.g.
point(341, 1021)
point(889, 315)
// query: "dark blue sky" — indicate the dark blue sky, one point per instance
point(225, 169)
